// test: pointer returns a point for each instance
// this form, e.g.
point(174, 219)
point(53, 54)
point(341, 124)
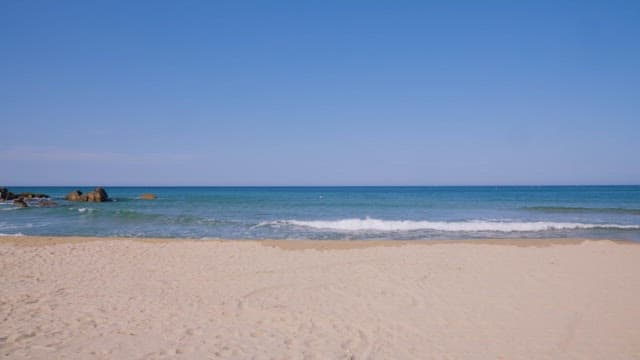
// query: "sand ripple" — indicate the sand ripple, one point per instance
point(235, 300)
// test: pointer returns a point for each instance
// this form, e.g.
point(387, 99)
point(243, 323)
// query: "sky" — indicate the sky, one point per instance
point(319, 92)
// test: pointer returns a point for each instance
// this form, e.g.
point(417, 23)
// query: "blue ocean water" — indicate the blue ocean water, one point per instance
point(338, 213)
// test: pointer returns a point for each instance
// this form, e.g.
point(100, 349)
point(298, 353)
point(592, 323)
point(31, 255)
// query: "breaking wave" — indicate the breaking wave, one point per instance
point(369, 224)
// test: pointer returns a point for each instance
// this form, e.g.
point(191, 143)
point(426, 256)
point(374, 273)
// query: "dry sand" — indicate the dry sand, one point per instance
point(128, 299)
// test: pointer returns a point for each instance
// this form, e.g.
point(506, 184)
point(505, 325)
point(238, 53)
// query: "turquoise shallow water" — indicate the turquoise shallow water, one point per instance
point(338, 213)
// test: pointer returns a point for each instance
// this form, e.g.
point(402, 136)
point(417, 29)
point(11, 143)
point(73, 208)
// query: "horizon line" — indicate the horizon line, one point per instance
point(312, 186)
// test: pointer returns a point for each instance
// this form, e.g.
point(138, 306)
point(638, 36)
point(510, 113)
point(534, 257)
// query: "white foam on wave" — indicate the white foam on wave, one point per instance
point(16, 234)
point(7, 226)
point(369, 224)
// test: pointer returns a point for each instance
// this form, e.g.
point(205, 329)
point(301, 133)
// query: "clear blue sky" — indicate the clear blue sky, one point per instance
point(319, 92)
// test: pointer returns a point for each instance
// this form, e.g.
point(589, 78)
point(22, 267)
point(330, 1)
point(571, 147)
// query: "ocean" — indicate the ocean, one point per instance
point(469, 212)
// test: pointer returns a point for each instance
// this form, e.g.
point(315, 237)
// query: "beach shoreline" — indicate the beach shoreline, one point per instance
point(102, 298)
point(304, 244)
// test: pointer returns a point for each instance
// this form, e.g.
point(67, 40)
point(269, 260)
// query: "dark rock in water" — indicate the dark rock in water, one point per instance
point(20, 203)
point(97, 195)
point(47, 203)
point(147, 196)
point(30, 195)
point(5, 194)
point(75, 195)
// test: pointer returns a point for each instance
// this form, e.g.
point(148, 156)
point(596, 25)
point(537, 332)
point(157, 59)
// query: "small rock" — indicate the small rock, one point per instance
point(20, 203)
point(47, 203)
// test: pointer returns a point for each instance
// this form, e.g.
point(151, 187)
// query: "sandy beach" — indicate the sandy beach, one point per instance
point(84, 298)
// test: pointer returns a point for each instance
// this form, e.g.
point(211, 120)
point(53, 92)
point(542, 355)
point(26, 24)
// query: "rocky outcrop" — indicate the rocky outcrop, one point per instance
point(75, 195)
point(147, 196)
point(30, 195)
point(20, 203)
point(97, 195)
point(6, 195)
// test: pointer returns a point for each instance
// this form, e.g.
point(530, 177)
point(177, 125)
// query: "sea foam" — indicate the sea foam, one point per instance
point(369, 224)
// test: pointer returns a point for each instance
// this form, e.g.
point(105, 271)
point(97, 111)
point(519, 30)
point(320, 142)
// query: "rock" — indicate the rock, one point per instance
point(75, 195)
point(30, 195)
point(5, 194)
point(97, 195)
point(148, 196)
point(20, 203)
point(47, 203)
